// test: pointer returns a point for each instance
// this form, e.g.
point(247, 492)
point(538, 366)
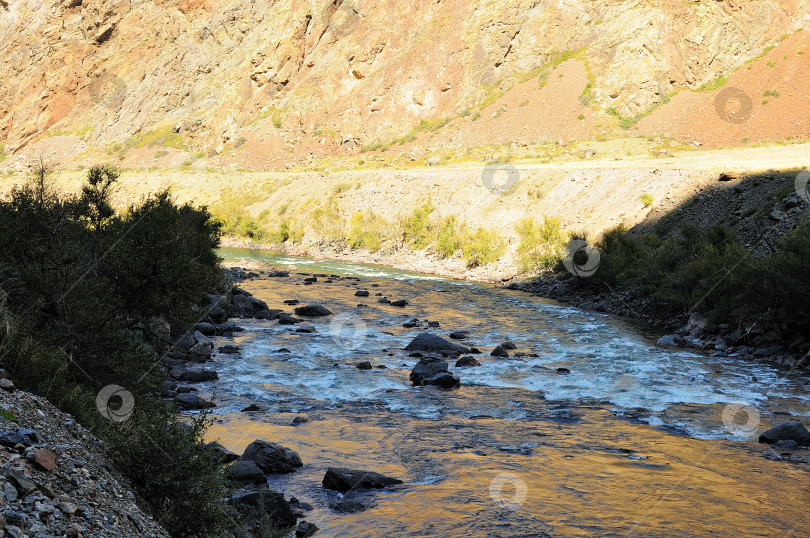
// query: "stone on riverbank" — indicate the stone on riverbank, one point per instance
point(191, 402)
point(271, 503)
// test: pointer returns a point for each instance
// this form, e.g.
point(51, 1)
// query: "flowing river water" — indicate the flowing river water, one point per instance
point(636, 440)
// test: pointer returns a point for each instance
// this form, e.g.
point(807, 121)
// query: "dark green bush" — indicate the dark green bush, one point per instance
point(81, 289)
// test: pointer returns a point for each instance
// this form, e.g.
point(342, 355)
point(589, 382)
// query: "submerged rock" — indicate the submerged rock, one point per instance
point(272, 457)
point(340, 479)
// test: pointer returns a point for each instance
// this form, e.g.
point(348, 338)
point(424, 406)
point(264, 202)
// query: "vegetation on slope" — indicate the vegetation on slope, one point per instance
point(87, 300)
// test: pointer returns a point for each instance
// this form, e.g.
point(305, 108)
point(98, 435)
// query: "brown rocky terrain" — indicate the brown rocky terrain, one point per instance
point(269, 85)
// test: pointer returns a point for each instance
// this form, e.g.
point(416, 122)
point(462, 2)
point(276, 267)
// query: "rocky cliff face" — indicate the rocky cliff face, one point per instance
point(359, 70)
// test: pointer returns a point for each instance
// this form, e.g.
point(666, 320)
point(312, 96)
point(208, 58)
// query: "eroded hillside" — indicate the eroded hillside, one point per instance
point(269, 84)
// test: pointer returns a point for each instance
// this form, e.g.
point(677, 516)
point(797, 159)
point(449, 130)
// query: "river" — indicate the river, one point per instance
point(629, 439)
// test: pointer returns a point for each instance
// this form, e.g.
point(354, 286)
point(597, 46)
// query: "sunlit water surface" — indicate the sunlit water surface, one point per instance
point(635, 440)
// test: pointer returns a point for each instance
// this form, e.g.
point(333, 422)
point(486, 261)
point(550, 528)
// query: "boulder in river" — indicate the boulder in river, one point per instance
point(444, 380)
point(272, 457)
point(271, 503)
point(306, 328)
point(286, 319)
point(508, 345)
point(427, 368)
point(365, 365)
point(313, 310)
point(459, 335)
point(432, 342)
point(361, 293)
point(399, 302)
point(339, 479)
point(499, 351)
point(789, 431)
point(671, 340)
point(466, 362)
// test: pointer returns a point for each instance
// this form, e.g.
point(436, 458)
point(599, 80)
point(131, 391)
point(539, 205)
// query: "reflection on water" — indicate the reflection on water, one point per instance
point(631, 441)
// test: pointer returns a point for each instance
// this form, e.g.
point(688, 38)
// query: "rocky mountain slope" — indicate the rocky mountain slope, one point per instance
point(268, 84)
point(56, 479)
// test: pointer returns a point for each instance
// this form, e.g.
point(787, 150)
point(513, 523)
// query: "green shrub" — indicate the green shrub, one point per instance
point(85, 294)
point(647, 199)
point(417, 228)
point(366, 231)
point(327, 222)
point(483, 247)
point(541, 245)
point(450, 236)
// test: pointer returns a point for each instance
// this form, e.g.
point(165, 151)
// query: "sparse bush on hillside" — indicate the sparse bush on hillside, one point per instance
point(451, 233)
point(418, 229)
point(483, 247)
point(366, 230)
point(647, 199)
point(327, 222)
point(541, 245)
